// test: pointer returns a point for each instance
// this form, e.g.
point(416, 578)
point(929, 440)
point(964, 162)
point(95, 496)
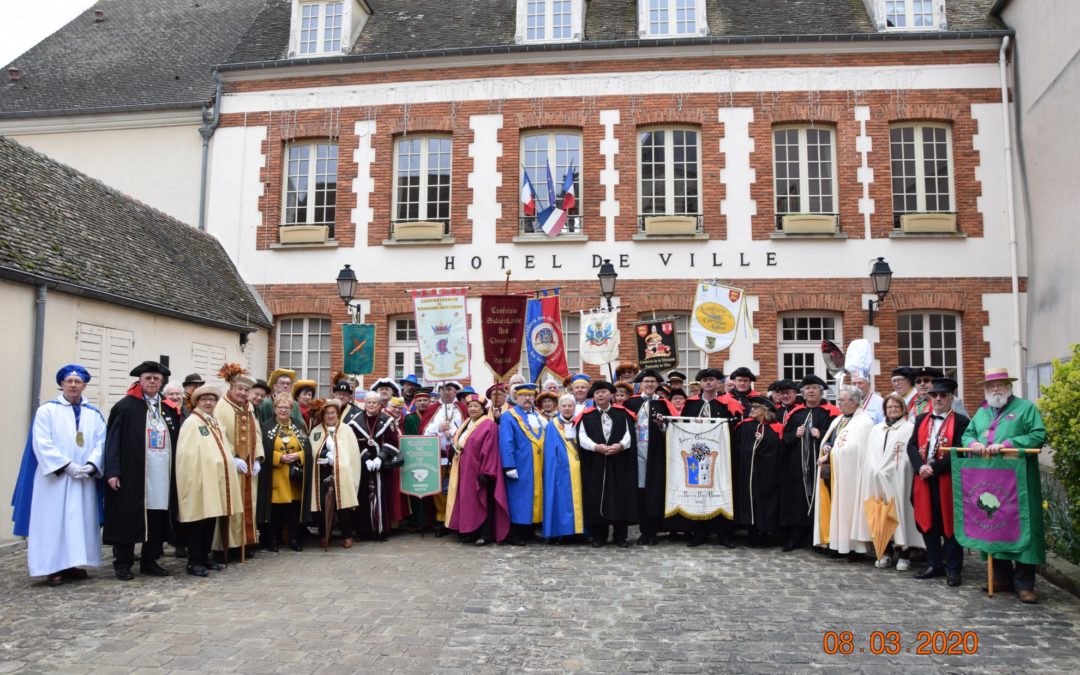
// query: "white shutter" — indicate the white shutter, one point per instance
point(120, 344)
point(89, 345)
point(207, 361)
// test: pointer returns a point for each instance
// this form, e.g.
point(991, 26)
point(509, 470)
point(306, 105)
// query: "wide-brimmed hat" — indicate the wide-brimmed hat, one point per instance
point(743, 371)
point(261, 384)
point(929, 371)
point(998, 375)
point(449, 383)
point(709, 372)
point(301, 385)
point(781, 385)
point(195, 379)
point(150, 367)
point(905, 372)
point(409, 379)
point(342, 383)
point(601, 384)
point(649, 372)
point(386, 382)
point(626, 367)
point(813, 379)
point(944, 385)
point(546, 396)
point(280, 372)
point(205, 390)
point(763, 401)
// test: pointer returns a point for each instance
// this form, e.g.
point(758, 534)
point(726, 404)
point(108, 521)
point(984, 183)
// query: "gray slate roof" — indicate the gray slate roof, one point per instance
point(407, 26)
point(60, 226)
point(147, 54)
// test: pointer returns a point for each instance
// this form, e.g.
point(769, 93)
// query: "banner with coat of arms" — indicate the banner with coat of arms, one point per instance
point(656, 344)
point(600, 336)
point(718, 311)
point(545, 345)
point(698, 469)
point(442, 333)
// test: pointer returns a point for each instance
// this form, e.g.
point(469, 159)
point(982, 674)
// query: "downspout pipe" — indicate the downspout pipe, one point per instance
point(1010, 213)
point(39, 349)
point(211, 116)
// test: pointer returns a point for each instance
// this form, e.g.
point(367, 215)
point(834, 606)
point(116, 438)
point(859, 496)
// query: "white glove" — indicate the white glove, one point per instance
point(512, 473)
point(322, 461)
point(370, 464)
point(73, 470)
point(330, 457)
point(256, 467)
point(88, 470)
point(241, 465)
point(377, 463)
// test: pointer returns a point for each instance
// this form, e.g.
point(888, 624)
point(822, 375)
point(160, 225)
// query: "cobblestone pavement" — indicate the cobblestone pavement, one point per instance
point(434, 605)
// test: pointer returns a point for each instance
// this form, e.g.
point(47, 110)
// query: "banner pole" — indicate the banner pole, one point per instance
point(989, 575)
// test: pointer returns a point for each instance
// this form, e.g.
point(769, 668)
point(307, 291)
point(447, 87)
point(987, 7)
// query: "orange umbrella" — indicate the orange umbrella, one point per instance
point(882, 520)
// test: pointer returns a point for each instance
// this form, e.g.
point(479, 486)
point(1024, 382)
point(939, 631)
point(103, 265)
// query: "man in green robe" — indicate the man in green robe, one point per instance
point(1004, 421)
point(281, 381)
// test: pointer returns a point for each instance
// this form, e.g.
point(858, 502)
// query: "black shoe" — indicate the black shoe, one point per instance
point(213, 566)
point(953, 579)
point(124, 574)
point(930, 573)
point(790, 545)
point(440, 531)
point(598, 543)
point(197, 571)
point(854, 557)
point(727, 541)
point(181, 552)
point(515, 541)
point(622, 543)
point(272, 548)
point(296, 546)
point(480, 542)
point(153, 569)
point(696, 541)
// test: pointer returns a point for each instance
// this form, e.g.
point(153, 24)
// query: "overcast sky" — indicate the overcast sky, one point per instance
point(28, 22)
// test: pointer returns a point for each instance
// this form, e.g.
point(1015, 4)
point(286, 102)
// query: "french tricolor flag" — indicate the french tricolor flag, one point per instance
point(569, 198)
point(528, 196)
point(553, 219)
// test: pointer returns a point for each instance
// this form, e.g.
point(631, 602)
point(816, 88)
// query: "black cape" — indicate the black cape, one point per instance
point(125, 457)
point(798, 466)
point(656, 459)
point(608, 482)
point(941, 467)
point(377, 488)
point(756, 475)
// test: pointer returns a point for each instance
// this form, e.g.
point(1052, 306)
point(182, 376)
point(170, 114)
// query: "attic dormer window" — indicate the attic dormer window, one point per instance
point(671, 18)
point(549, 20)
point(910, 14)
point(326, 27)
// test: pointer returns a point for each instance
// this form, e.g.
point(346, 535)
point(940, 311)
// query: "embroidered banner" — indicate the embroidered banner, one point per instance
point(600, 336)
point(718, 309)
point(358, 343)
point(698, 468)
point(991, 509)
point(544, 344)
point(502, 325)
point(656, 344)
point(421, 474)
point(442, 333)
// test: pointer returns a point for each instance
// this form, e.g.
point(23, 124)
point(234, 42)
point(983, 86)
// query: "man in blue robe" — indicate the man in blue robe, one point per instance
point(521, 448)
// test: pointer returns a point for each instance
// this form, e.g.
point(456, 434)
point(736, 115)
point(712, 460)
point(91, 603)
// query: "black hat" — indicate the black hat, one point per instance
point(261, 384)
point(343, 384)
point(677, 391)
point(904, 371)
point(929, 371)
point(601, 384)
point(150, 367)
point(813, 379)
point(763, 401)
point(649, 372)
point(709, 372)
point(781, 385)
point(422, 392)
point(743, 371)
point(676, 375)
point(195, 379)
point(944, 385)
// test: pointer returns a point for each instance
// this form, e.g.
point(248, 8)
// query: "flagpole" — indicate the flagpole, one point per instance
point(506, 287)
point(1004, 451)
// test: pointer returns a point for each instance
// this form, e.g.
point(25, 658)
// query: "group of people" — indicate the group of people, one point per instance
point(221, 474)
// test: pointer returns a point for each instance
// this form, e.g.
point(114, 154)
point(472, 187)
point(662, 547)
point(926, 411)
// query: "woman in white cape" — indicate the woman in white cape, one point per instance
point(843, 448)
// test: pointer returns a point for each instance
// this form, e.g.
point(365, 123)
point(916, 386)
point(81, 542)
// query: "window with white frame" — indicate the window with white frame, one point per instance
point(303, 345)
point(560, 149)
point(929, 339)
point(669, 172)
point(571, 326)
point(404, 348)
point(310, 183)
point(548, 20)
point(804, 169)
point(921, 168)
point(909, 14)
point(422, 179)
point(671, 18)
point(799, 346)
point(320, 29)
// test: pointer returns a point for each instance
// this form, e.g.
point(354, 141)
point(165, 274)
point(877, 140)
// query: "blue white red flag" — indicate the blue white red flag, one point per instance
point(569, 198)
point(528, 196)
point(544, 344)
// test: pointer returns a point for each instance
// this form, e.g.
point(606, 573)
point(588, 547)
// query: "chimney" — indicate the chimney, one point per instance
point(99, 15)
point(14, 74)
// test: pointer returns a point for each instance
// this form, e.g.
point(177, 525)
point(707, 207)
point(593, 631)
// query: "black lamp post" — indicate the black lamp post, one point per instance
point(607, 277)
point(346, 285)
point(881, 276)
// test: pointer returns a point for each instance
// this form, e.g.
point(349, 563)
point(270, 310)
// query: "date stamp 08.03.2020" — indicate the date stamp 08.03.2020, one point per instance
point(893, 642)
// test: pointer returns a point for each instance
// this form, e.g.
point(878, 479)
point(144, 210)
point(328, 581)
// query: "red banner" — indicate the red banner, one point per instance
point(502, 322)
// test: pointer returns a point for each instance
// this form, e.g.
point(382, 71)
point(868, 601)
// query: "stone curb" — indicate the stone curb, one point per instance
point(1061, 573)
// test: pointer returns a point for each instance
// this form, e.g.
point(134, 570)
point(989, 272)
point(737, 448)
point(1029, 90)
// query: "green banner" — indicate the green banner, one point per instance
point(421, 473)
point(358, 342)
point(997, 506)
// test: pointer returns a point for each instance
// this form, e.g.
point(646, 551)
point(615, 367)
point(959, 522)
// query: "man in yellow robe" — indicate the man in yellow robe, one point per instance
point(240, 424)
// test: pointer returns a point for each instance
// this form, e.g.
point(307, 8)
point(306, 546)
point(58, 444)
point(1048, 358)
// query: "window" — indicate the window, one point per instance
point(660, 18)
point(303, 345)
point(909, 13)
point(669, 176)
point(921, 168)
point(800, 345)
point(571, 326)
point(549, 19)
point(107, 354)
point(320, 27)
point(404, 348)
point(563, 150)
point(311, 184)
point(929, 339)
point(422, 180)
point(208, 360)
point(803, 168)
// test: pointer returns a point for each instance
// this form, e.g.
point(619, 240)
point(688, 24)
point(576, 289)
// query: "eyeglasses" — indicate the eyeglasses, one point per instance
point(939, 394)
point(924, 380)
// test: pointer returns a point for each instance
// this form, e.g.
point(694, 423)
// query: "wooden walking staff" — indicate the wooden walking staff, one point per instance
point(990, 556)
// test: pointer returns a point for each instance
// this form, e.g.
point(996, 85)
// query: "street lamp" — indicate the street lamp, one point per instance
point(346, 287)
point(607, 277)
point(881, 276)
